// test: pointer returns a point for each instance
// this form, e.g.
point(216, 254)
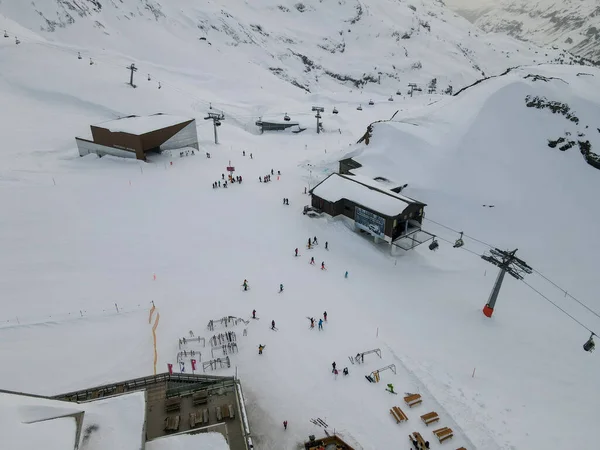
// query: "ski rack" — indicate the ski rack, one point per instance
point(216, 363)
point(375, 373)
point(377, 351)
point(188, 341)
point(226, 322)
point(190, 354)
point(230, 347)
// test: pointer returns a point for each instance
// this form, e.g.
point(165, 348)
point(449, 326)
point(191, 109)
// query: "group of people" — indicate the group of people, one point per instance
point(335, 371)
point(312, 321)
point(230, 177)
point(266, 178)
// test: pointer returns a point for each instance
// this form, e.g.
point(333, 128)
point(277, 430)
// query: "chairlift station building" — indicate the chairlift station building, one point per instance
point(135, 136)
point(382, 213)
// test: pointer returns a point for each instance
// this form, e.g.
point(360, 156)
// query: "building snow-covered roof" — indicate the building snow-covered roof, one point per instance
point(138, 125)
point(336, 187)
point(381, 186)
point(32, 422)
point(204, 441)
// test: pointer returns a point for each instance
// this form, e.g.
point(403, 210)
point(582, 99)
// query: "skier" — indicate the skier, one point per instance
point(285, 424)
point(326, 245)
point(260, 179)
point(312, 322)
point(271, 171)
point(333, 365)
point(315, 241)
point(245, 284)
point(312, 260)
point(335, 372)
point(346, 274)
point(272, 324)
point(243, 152)
point(296, 251)
point(345, 372)
point(254, 314)
point(391, 388)
point(250, 155)
point(284, 200)
point(320, 324)
point(280, 288)
point(325, 316)
point(323, 265)
point(260, 349)
point(219, 183)
point(309, 243)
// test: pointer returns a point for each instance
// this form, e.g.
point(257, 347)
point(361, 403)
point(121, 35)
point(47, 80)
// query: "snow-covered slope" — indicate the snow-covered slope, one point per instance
point(81, 234)
point(573, 25)
point(345, 44)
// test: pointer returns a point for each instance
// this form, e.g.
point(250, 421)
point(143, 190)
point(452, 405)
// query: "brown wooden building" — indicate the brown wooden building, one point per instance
point(380, 212)
point(135, 136)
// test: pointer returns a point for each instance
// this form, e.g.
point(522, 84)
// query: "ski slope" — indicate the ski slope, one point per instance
point(81, 234)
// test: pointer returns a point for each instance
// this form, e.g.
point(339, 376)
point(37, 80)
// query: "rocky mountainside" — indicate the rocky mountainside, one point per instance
point(573, 25)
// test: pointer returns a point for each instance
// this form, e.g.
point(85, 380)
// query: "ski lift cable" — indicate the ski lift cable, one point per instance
point(558, 307)
point(566, 293)
point(463, 247)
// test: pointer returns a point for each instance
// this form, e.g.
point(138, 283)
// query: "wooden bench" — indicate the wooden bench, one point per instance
point(205, 416)
point(443, 433)
point(462, 448)
point(219, 413)
point(413, 400)
point(430, 417)
point(231, 411)
point(172, 404)
point(398, 414)
point(200, 398)
point(172, 424)
point(416, 436)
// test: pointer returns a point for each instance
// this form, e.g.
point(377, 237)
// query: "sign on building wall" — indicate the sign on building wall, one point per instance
point(369, 222)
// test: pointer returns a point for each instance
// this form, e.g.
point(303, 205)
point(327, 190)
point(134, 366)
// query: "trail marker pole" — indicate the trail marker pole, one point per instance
point(116, 307)
point(377, 334)
point(473, 376)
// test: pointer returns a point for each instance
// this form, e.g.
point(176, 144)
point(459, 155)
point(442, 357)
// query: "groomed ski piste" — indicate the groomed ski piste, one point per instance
point(80, 235)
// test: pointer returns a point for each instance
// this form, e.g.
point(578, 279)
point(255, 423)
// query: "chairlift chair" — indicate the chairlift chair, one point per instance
point(391, 99)
point(371, 102)
point(159, 86)
point(459, 242)
point(359, 108)
point(398, 92)
point(149, 79)
point(434, 245)
point(79, 55)
point(17, 41)
point(5, 34)
point(590, 345)
point(91, 62)
point(335, 111)
point(217, 123)
point(286, 117)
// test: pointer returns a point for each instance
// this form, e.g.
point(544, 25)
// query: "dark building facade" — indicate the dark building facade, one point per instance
point(377, 211)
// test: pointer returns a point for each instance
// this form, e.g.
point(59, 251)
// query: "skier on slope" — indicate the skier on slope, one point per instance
point(323, 265)
point(245, 284)
point(320, 324)
point(272, 324)
point(312, 260)
point(296, 251)
point(312, 322)
point(280, 288)
point(254, 314)
point(315, 241)
point(325, 316)
point(285, 424)
point(260, 349)
point(333, 365)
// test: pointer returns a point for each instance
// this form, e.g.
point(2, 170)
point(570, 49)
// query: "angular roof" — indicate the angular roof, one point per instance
point(336, 187)
point(141, 125)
